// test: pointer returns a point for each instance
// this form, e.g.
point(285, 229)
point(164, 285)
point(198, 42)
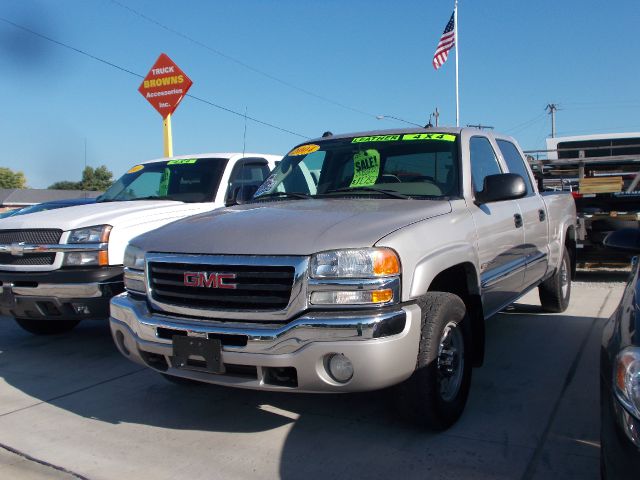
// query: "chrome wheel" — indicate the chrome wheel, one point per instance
point(564, 278)
point(450, 361)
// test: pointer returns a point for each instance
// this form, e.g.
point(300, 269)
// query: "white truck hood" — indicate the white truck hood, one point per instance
point(116, 214)
point(128, 219)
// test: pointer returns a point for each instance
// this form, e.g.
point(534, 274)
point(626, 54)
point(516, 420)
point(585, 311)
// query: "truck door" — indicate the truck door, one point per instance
point(500, 234)
point(534, 221)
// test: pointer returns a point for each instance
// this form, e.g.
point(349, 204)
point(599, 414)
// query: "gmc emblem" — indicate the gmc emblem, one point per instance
point(209, 280)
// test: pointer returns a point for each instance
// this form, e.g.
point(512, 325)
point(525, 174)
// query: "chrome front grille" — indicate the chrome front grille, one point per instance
point(33, 236)
point(255, 287)
point(36, 235)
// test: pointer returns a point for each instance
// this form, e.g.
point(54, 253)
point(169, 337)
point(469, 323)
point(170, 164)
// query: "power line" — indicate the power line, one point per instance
point(240, 62)
point(525, 125)
point(111, 64)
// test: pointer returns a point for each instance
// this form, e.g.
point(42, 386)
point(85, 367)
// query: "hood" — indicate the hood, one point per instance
point(294, 227)
point(109, 213)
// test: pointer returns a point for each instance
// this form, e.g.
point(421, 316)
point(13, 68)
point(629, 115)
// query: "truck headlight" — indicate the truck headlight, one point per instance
point(627, 379)
point(357, 276)
point(133, 257)
point(97, 235)
point(355, 263)
point(134, 270)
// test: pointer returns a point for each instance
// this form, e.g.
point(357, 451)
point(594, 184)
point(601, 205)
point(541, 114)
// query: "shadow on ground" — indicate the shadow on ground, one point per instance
point(326, 435)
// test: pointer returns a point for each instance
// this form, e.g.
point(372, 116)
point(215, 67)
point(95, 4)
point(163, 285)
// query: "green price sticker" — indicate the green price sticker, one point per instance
point(186, 161)
point(366, 168)
point(163, 189)
point(430, 136)
point(376, 138)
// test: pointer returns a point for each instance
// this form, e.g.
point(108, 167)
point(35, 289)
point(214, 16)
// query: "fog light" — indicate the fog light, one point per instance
point(340, 368)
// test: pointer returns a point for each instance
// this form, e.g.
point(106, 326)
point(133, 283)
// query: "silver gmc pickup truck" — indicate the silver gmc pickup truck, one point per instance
point(364, 261)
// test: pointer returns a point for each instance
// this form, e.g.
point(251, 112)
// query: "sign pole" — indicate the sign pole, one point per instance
point(168, 139)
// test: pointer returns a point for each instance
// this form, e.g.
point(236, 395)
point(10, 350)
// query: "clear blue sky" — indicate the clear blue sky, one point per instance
point(373, 56)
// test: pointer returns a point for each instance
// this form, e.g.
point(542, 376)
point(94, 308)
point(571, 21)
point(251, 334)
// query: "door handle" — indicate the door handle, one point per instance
point(517, 219)
point(542, 215)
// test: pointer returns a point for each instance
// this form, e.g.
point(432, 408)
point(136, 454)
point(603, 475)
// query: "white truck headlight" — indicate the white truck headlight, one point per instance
point(134, 270)
point(355, 263)
point(627, 379)
point(98, 234)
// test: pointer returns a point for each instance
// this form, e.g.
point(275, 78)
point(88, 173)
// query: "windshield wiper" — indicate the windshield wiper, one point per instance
point(390, 193)
point(152, 197)
point(282, 194)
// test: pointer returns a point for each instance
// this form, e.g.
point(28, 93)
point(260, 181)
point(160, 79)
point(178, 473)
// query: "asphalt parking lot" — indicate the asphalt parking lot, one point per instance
point(72, 407)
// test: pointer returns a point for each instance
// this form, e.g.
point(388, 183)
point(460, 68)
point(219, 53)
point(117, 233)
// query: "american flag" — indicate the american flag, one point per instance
point(447, 41)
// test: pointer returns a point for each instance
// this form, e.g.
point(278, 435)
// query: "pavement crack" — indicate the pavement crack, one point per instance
point(535, 458)
point(58, 397)
point(28, 457)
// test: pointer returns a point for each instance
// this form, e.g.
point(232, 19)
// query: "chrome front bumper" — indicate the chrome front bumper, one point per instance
point(382, 346)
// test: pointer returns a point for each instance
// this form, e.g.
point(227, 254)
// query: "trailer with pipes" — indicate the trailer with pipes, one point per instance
point(603, 174)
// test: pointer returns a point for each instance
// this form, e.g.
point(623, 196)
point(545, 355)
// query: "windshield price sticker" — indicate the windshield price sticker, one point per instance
point(430, 136)
point(163, 189)
point(186, 161)
point(366, 168)
point(376, 138)
point(304, 150)
point(135, 169)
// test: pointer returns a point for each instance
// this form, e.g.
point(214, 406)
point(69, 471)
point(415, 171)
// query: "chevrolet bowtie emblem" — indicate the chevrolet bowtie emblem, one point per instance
point(17, 249)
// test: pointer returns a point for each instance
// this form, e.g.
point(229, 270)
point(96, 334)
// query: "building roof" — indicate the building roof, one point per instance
point(31, 196)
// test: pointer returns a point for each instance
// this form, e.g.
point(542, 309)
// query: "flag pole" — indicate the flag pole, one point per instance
point(455, 26)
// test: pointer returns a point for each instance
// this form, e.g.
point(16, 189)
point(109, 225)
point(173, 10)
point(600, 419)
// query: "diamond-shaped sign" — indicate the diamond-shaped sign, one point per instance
point(165, 85)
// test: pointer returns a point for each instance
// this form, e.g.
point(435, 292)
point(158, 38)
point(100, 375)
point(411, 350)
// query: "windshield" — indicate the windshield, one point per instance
point(422, 165)
point(186, 180)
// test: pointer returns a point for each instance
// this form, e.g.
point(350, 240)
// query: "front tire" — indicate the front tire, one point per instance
point(435, 395)
point(47, 327)
point(555, 292)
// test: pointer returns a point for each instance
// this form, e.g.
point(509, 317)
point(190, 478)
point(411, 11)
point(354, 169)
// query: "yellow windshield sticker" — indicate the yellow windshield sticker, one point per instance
point(429, 136)
point(366, 168)
point(186, 161)
point(163, 189)
point(376, 138)
point(135, 169)
point(304, 149)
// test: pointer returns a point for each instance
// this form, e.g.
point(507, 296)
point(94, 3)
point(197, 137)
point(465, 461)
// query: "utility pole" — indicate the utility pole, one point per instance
point(436, 114)
point(552, 108)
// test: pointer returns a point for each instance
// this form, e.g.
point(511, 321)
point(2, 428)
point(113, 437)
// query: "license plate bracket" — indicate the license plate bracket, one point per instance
point(201, 354)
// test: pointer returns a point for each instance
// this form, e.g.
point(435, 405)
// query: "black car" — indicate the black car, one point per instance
point(620, 373)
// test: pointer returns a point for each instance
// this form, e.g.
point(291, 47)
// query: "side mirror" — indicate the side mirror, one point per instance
point(626, 239)
point(503, 186)
point(241, 195)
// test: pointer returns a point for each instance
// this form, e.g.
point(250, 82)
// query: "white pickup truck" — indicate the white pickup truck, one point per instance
point(61, 266)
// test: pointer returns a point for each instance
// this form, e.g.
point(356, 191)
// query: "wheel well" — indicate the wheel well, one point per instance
point(571, 244)
point(450, 280)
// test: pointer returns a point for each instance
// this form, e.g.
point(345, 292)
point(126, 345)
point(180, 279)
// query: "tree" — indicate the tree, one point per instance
point(92, 179)
point(65, 185)
point(99, 178)
point(11, 179)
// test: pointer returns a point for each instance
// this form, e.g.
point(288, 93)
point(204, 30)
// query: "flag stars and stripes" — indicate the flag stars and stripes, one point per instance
point(447, 41)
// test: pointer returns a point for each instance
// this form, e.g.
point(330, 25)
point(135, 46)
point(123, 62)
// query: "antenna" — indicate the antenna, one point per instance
point(85, 162)
point(244, 137)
